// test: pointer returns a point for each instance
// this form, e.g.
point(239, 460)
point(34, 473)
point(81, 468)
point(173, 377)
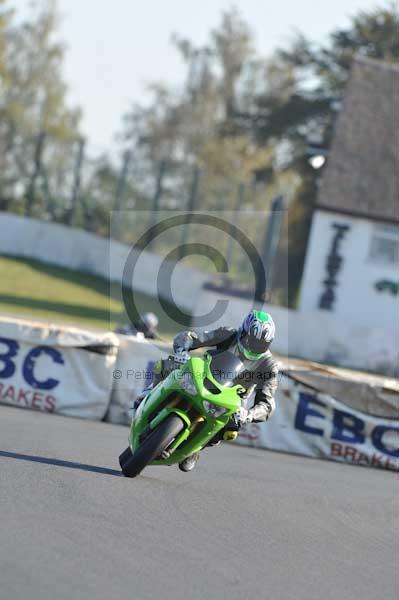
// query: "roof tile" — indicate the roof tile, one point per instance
point(362, 172)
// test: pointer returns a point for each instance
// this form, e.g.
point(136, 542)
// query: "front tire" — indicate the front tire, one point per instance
point(133, 463)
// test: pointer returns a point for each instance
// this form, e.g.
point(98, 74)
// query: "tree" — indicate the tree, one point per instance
point(37, 127)
point(196, 125)
point(233, 48)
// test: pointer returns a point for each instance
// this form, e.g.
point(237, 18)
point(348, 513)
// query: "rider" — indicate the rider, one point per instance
point(250, 342)
point(147, 325)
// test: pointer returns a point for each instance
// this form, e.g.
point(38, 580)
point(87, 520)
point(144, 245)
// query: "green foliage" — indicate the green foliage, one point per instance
point(37, 127)
point(44, 169)
point(197, 125)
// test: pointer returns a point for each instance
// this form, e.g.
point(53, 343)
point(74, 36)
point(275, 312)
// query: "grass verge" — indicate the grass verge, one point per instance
point(36, 290)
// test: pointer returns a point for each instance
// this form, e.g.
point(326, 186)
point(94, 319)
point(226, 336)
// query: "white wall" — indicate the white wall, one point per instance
point(82, 251)
point(361, 337)
point(357, 300)
point(319, 336)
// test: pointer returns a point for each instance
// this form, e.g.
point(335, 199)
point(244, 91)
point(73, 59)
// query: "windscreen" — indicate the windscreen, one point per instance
point(226, 368)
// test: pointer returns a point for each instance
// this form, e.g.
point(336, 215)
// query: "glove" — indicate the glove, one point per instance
point(182, 342)
point(244, 416)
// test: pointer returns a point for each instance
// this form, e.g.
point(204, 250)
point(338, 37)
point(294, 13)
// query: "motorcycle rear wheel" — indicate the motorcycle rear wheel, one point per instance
point(133, 463)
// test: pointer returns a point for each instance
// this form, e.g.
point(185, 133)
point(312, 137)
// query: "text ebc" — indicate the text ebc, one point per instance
point(346, 427)
point(8, 367)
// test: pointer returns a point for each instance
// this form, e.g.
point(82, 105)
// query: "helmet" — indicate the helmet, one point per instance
point(150, 320)
point(255, 334)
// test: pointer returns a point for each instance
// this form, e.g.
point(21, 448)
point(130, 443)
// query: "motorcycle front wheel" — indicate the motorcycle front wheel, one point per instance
point(133, 463)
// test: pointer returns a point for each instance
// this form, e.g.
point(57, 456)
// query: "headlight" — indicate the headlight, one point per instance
point(187, 384)
point(213, 410)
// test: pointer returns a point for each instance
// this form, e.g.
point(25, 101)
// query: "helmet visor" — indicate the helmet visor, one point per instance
point(252, 347)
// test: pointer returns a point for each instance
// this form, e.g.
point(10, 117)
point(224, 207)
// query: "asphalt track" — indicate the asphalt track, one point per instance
point(245, 524)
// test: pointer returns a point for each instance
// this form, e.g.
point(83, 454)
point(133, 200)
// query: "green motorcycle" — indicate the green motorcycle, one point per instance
point(185, 411)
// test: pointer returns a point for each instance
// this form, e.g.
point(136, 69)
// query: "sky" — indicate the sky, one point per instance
point(115, 48)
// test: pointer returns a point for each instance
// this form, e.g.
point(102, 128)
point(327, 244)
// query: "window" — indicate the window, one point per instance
point(384, 247)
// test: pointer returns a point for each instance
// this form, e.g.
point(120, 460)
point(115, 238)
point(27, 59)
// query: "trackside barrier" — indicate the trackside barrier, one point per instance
point(312, 423)
point(56, 369)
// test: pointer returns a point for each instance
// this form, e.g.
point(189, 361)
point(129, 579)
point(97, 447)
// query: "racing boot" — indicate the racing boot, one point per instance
point(227, 434)
point(189, 463)
point(230, 436)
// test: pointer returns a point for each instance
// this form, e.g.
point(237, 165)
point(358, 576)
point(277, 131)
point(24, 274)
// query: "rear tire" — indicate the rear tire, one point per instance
point(133, 463)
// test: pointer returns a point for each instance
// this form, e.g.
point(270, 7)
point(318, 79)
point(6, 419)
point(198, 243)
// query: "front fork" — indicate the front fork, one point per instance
point(182, 436)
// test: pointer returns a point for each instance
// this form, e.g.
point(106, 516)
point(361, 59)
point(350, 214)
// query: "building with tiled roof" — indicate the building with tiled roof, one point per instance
point(352, 264)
